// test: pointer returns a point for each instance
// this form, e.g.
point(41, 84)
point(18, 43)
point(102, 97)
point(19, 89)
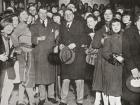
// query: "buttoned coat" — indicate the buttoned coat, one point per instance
point(44, 71)
point(112, 74)
point(75, 34)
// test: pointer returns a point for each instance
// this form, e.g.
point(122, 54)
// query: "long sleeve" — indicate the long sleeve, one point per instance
point(127, 51)
point(107, 48)
point(34, 33)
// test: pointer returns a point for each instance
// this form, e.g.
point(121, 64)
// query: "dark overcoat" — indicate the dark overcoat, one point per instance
point(44, 71)
point(76, 35)
point(131, 53)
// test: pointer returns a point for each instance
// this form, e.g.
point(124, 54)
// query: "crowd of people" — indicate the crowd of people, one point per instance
point(91, 51)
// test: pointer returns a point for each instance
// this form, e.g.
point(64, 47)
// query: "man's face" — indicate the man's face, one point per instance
point(69, 16)
point(32, 10)
point(42, 14)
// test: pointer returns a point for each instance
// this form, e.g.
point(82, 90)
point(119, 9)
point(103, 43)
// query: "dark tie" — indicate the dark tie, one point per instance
point(43, 23)
point(68, 27)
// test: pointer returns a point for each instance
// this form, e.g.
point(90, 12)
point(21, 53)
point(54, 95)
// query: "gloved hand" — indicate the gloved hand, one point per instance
point(72, 45)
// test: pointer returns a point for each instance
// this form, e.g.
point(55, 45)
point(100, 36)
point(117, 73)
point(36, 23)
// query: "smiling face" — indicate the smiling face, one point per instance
point(91, 22)
point(23, 16)
point(108, 15)
point(42, 14)
point(126, 19)
point(8, 28)
point(96, 13)
point(116, 27)
point(32, 10)
point(69, 16)
point(56, 19)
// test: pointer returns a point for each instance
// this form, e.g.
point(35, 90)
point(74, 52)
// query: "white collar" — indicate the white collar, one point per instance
point(45, 22)
point(69, 23)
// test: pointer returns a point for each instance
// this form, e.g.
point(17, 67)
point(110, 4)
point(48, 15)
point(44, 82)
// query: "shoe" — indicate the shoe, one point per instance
point(20, 103)
point(52, 100)
point(61, 103)
point(79, 103)
point(41, 102)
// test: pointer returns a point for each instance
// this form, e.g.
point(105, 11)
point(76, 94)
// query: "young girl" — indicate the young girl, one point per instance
point(112, 53)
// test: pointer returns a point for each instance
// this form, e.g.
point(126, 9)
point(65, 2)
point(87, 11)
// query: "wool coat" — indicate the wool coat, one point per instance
point(112, 74)
point(44, 71)
point(75, 34)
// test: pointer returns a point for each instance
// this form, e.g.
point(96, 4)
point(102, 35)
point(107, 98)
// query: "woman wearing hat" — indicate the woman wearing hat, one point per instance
point(7, 73)
point(131, 53)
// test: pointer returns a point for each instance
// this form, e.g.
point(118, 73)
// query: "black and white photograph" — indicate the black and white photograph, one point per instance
point(69, 52)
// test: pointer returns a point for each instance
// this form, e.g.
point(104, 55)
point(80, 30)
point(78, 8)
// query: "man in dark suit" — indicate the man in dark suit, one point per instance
point(131, 53)
point(72, 35)
point(43, 39)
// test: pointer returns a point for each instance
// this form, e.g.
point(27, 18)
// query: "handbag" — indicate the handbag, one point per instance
point(91, 55)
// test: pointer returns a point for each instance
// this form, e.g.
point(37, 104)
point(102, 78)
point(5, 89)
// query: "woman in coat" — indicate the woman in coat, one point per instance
point(112, 53)
point(7, 73)
point(98, 43)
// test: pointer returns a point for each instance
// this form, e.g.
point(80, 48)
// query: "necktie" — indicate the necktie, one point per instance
point(43, 23)
point(68, 27)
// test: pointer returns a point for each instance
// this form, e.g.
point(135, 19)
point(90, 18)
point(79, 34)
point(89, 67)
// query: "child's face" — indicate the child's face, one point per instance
point(126, 19)
point(116, 27)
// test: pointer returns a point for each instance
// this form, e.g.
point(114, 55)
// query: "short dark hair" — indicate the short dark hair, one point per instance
point(113, 21)
point(128, 13)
